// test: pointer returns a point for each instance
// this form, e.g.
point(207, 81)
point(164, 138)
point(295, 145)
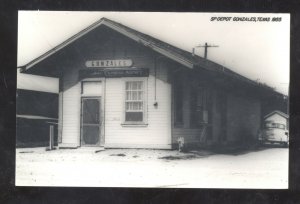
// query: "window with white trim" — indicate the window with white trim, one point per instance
point(134, 101)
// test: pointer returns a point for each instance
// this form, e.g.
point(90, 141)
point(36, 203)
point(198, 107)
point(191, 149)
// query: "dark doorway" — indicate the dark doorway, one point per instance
point(90, 121)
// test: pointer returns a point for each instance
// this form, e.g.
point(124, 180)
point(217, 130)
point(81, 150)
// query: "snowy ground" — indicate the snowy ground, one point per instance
point(267, 168)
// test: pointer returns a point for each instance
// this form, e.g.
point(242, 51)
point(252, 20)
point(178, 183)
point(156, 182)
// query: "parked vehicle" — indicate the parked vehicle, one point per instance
point(274, 132)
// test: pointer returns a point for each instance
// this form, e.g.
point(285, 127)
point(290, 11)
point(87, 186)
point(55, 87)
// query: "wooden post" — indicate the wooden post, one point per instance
point(205, 50)
point(51, 141)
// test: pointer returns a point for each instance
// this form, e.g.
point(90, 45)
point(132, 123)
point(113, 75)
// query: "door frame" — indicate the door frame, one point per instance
point(101, 138)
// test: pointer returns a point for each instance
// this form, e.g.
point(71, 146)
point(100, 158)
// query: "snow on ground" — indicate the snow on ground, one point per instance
point(267, 168)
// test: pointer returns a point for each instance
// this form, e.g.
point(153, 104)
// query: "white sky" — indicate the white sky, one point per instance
point(257, 50)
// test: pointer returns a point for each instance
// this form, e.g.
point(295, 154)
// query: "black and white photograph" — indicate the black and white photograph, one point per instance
point(153, 99)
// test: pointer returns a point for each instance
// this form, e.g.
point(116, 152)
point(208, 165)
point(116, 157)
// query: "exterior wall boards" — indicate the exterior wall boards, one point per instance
point(277, 118)
point(155, 133)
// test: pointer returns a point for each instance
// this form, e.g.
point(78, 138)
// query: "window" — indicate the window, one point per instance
point(280, 126)
point(91, 88)
point(268, 125)
point(134, 101)
point(274, 125)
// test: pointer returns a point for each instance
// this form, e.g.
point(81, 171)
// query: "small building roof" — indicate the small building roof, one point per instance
point(277, 112)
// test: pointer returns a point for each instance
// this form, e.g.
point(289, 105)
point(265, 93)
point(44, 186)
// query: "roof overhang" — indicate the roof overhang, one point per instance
point(176, 54)
point(278, 112)
point(103, 21)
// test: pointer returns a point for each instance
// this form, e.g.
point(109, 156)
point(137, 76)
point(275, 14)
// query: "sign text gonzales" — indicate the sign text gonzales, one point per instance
point(109, 63)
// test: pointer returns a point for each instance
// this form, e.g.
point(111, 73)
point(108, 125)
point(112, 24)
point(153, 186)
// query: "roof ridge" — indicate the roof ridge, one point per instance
point(279, 112)
point(182, 56)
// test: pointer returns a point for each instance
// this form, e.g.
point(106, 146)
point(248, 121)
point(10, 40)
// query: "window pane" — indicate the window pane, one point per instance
point(140, 85)
point(128, 85)
point(134, 106)
point(141, 105)
point(140, 95)
point(134, 101)
point(91, 87)
point(134, 95)
point(134, 116)
point(128, 95)
point(134, 85)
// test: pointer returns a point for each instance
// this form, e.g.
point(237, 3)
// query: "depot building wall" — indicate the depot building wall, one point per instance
point(234, 116)
point(154, 133)
point(243, 118)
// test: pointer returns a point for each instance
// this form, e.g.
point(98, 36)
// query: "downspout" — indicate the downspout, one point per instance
point(156, 58)
point(104, 111)
point(155, 67)
point(60, 110)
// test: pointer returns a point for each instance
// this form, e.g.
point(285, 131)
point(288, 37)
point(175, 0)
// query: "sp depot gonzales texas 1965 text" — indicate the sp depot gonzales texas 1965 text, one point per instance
point(247, 19)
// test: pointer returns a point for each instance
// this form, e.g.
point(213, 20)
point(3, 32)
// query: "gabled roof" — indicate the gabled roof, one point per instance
point(277, 112)
point(168, 50)
point(181, 56)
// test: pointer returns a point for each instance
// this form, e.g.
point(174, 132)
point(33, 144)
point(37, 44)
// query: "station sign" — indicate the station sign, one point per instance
point(109, 63)
point(113, 73)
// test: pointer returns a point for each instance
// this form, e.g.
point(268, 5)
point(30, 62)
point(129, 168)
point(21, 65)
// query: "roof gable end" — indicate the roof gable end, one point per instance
point(277, 112)
point(128, 32)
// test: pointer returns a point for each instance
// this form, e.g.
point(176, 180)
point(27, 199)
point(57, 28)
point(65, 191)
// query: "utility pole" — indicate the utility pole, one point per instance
point(205, 49)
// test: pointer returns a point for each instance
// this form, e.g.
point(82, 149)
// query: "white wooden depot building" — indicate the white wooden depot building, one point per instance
point(120, 88)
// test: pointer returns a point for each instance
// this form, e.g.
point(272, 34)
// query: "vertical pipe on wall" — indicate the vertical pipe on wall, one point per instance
point(60, 116)
point(60, 109)
point(155, 66)
point(51, 138)
point(104, 110)
point(156, 58)
point(61, 98)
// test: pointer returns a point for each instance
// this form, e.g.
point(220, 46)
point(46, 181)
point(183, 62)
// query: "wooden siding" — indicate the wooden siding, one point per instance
point(277, 119)
point(157, 132)
point(71, 116)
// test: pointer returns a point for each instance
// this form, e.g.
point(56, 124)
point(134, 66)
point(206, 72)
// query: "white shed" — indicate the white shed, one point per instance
point(278, 117)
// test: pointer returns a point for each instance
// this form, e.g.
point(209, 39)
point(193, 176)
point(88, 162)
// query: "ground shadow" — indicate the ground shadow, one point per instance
point(193, 154)
point(233, 150)
point(241, 150)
